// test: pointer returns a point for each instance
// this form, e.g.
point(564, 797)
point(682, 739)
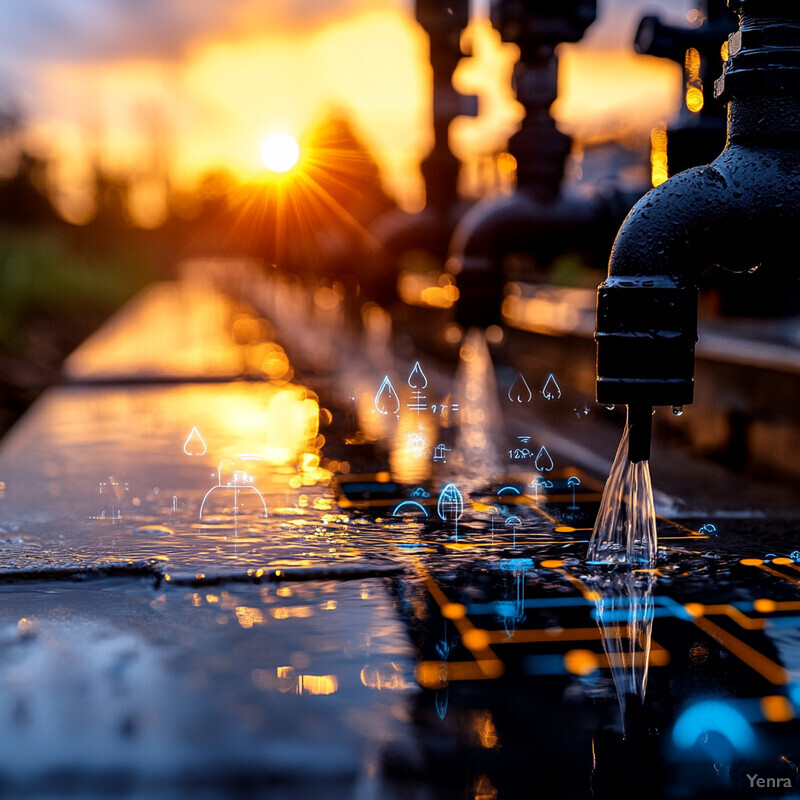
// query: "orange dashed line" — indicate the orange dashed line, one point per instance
point(544, 514)
point(764, 666)
point(694, 534)
point(569, 529)
point(486, 664)
point(586, 497)
point(741, 619)
point(437, 674)
point(587, 593)
point(771, 571)
point(549, 635)
point(782, 605)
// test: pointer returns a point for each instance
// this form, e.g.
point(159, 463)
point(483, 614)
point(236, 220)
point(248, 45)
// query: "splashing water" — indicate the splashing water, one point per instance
point(625, 529)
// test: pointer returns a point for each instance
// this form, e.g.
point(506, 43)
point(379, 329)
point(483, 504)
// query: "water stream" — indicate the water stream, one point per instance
point(625, 528)
point(625, 618)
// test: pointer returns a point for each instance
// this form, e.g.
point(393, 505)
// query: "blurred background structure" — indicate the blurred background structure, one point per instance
point(130, 138)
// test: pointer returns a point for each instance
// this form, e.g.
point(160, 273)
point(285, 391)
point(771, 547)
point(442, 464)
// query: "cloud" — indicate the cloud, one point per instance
point(103, 30)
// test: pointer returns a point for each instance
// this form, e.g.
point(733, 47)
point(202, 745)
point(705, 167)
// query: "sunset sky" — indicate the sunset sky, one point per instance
point(191, 85)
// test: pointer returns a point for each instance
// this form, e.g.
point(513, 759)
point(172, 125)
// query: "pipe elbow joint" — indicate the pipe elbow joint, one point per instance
point(646, 334)
point(647, 307)
point(476, 258)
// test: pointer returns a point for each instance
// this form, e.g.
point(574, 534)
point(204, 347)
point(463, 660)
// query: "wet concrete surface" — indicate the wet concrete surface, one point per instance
point(334, 645)
point(119, 687)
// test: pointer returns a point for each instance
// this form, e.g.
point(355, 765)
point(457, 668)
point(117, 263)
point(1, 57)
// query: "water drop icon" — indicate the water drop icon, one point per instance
point(386, 400)
point(417, 378)
point(543, 461)
point(451, 503)
point(551, 390)
point(519, 391)
point(194, 444)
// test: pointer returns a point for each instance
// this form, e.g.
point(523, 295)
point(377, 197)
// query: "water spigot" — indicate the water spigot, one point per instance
point(740, 211)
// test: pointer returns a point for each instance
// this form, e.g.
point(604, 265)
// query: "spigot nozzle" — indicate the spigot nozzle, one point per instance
point(640, 427)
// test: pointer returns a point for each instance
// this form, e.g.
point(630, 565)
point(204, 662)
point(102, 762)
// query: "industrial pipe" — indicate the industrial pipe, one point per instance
point(739, 212)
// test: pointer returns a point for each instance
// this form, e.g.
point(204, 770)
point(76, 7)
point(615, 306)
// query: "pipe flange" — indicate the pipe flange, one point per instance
point(763, 59)
point(778, 80)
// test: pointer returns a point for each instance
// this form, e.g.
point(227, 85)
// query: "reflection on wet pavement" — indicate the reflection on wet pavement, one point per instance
point(281, 586)
point(113, 687)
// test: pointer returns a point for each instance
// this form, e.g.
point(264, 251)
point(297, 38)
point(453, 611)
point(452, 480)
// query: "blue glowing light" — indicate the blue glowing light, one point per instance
point(413, 504)
point(440, 453)
point(709, 529)
point(451, 503)
point(794, 694)
point(509, 490)
point(572, 482)
point(441, 703)
point(713, 716)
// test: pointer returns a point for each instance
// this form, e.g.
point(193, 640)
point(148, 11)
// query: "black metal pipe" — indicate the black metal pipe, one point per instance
point(639, 431)
point(520, 224)
point(740, 211)
point(537, 218)
point(429, 231)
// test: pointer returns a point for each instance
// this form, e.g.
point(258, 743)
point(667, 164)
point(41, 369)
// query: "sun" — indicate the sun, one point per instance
point(280, 151)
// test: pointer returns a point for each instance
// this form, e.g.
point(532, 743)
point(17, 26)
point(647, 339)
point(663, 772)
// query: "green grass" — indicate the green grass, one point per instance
point(44, 281)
